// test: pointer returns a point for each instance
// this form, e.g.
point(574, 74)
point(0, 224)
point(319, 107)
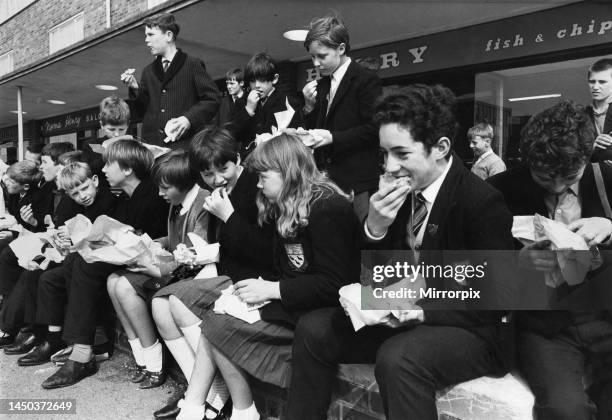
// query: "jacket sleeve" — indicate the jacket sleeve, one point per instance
point(246, 240)
point(139, 98)
point(209, 97)
point(335, 260)
point(364, 134)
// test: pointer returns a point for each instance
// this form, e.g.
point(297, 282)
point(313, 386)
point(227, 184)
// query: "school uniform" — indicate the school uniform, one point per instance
point(487, 165)
point(450, 346)
point(555, 347)
point(38, 197)
point(185, 89)
point(246, 127)
point(189, 216)
point(225, 117)
point(599, 154)
point(352, 159)
point(310, 267)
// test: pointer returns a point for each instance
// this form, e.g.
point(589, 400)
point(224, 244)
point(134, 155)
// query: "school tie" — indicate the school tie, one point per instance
point(417, 217)
point(176, 210)
point(165, 64)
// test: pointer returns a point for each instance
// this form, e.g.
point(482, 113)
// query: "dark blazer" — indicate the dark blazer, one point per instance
point(185, 89)
point(225, 116)
point(468, 214)
point(599, 154)
point(322, 257)
point(145, 210)
point(40, 199)
point(525, 197)
point(245, 127)
point(246, 248)
point(352, 158)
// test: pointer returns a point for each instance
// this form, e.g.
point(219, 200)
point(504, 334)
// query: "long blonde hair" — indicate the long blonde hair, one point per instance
point(302, 182)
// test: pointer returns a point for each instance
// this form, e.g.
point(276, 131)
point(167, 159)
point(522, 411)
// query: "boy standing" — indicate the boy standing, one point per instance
point(234, 80)
point(487, 162)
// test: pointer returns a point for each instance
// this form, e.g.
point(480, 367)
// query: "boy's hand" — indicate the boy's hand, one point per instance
point(128, 78)
point(219, 204)
point(538, 256)
point(603, 141)
point(181, 125)
point(27, 215)
point(252, 101)
point(384, 205)
point(594, 230)
point(310, 95)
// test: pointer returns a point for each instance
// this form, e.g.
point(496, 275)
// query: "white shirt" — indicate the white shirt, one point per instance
point(484, 155)
point(189, 199)
point(336, 78)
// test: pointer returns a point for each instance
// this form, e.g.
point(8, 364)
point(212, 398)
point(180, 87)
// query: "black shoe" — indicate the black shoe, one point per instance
point(23, 344)
point(219, 414)
point(138, 375)
point(70, 373)
point(169, 411)
point(154, 379)
point(6, 339)
point(40, 354)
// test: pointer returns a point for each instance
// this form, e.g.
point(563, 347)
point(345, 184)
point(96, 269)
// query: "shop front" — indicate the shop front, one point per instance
point(502, 72)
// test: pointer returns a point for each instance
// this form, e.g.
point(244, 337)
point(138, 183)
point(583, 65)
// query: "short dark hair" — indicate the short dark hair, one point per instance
point(213, 147)
point(24, 172)
point(173, 169)
point(329, 31)
point(35, 147)
point(558, 140)
point(130, 154)
point(55, 150)
point(601, 65)
point(70, 157)
point(260, 67)
point(163, 21)
point(428, 112)
point(235, 73)
point(114, 111)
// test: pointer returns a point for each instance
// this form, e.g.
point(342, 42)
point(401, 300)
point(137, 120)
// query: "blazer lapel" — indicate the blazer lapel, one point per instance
point(323, 87)
point(175, 66)
point(344, 86)
point(608, 121)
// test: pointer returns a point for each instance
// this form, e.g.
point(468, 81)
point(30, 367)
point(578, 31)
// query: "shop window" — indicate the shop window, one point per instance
point(507, 98)
point(6, 63)
point(67, 33)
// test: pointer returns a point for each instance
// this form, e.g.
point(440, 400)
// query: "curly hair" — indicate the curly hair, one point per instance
point(558, 140)
point(303, 183)
point(428, 112)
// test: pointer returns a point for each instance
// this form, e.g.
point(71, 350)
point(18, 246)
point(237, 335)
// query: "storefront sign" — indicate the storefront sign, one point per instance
point(67, 123)
point(563, 28)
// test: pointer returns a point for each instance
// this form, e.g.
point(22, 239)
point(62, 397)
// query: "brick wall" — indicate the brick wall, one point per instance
point(27, 32)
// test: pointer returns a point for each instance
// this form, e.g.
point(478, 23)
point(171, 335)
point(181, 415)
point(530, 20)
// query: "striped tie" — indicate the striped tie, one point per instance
point(418, 214)
point(165, 64)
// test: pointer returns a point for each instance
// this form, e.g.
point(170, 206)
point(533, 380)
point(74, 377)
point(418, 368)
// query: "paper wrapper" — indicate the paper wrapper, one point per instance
point(202, 253)
point(30, 246)
point(283, 119)
point(228, 303)
point(156, 150)
point(7, 222)
point(109, 241)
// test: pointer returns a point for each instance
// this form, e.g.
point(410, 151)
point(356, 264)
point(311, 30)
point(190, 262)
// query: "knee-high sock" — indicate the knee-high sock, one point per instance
point(183, 354)
point(137, 351)
point(153, 357)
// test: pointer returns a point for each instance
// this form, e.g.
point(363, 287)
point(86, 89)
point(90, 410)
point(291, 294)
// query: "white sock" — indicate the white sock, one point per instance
point(217, 395)
point(192, 335)
point(137, 351)
point(183, 354)
point(249, 413)
point(153, 357)
point(190, 412)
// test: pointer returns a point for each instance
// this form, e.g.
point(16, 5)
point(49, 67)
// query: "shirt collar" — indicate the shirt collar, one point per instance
point(169, 58)
point(431, 191)
point(189, 199)
point(339, 73)
point(484, 155)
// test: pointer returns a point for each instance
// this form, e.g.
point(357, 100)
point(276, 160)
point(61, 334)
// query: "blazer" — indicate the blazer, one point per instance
point(246, 247)
point(314, 264)
point(40, 197)
point(525, 197)
point(352, 158)
point(245, 127)
point(599, 155)
point(185, 89)
point(468, 214)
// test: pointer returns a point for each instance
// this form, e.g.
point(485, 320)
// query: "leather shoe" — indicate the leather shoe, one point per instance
point(23, 344)
point(70, 373)
point(138, 375)
point(170, 411)
point(154, 379)
point(6, 340)
point(40, 354)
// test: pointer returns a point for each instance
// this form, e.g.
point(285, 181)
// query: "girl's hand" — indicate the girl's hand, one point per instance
point(257, 290)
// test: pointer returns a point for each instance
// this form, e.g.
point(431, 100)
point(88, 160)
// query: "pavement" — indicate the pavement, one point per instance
point(106, 395)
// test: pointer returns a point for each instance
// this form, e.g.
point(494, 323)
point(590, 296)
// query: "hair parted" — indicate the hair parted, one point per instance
point(328, 31)
point(24, 172)
point(130, 154)
point(165, 22)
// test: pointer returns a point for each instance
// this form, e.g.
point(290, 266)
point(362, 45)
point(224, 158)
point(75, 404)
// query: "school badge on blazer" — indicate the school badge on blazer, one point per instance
point(295, 253)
